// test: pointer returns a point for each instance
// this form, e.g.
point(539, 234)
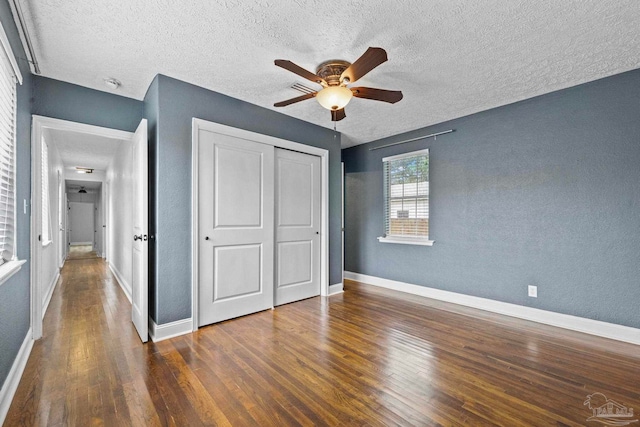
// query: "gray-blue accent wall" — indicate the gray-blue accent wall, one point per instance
point(67, 101)
point(177, 102)
point(15, 292)
point(542, 192)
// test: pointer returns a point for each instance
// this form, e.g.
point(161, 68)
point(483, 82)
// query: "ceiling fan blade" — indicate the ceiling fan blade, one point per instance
point(294, 100)
point(369, 60)
point(337, 115)
point(296, 69)
point(390, 96)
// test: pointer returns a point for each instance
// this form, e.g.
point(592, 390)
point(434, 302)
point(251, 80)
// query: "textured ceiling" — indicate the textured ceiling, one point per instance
point(84, 150)
point(449, 57)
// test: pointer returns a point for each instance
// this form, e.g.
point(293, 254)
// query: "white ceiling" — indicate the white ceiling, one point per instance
point(449, 57)
point(75, 185)
point(84, 150)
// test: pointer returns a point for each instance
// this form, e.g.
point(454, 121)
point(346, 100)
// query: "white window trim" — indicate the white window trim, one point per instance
point(398, 239)
point(405, 155)
point(406, 241)
point(45, 192)
point(10, 268)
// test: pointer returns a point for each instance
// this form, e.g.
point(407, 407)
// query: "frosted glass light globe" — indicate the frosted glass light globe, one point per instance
point(334, 97)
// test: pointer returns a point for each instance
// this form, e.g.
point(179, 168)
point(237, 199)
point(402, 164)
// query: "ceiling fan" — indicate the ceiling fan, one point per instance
point(334, 76)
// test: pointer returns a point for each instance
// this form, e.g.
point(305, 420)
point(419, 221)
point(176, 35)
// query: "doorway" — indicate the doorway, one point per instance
point(81, 224)
point(85, 158)
point(235, 229)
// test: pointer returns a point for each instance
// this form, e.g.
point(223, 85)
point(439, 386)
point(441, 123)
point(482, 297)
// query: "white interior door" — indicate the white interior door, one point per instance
point(235, 227)
point(140, 262)
point(298, 216)
point(81, 223)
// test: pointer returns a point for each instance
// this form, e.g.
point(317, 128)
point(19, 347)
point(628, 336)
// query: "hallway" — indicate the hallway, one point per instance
point(366, 357)
point(79, 370)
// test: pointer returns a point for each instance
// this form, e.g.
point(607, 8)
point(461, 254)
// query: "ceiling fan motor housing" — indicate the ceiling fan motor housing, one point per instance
point(331, 71)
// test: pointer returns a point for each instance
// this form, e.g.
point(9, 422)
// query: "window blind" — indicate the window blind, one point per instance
point(406, 195)
point(46, 220)
point(7, 159)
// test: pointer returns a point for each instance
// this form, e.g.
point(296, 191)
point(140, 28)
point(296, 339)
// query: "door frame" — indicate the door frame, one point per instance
point(342, 223)
point(105, 220)
point(200, 124)
point(38, 126)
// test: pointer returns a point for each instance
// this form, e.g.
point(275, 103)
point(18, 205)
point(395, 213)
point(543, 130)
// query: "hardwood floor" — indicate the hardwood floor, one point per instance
point(366, 357)
point(81, 252)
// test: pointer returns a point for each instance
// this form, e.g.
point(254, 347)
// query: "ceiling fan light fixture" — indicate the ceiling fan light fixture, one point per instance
point(334, 97)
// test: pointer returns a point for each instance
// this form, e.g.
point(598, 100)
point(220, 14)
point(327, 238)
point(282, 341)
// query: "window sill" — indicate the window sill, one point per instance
point(10, 268)
point(406, 241)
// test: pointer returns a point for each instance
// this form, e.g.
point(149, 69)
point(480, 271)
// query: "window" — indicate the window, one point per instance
point(7, 160)
point(406, 198)
point(9, 77)
point(46, 217)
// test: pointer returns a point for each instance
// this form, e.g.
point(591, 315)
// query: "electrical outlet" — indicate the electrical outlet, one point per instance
point(533, 291)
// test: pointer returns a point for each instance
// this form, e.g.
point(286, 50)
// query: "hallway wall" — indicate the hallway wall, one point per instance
point(120, 208)
point(51, 252)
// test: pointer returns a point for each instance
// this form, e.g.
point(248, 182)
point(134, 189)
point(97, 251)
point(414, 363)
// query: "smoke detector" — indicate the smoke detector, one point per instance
point(112, 83)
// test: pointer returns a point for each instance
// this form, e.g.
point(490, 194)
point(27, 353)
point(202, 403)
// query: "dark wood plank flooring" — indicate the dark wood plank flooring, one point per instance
point(367, 357)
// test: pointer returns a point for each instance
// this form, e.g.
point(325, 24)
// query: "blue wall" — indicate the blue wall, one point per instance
point(543, 192)
point(178, 103)
point(15, 292)
point(66, 101)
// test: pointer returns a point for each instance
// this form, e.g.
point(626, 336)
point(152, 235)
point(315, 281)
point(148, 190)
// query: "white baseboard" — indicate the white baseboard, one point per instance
point(51, 288)
point(169, 330)
point(81, 244)
point(15, 374)
point(126, 288)
point(566, 321)
point(336, 288)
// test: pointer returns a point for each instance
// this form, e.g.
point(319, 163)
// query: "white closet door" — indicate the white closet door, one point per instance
point(236, 231)
point(298, 219)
